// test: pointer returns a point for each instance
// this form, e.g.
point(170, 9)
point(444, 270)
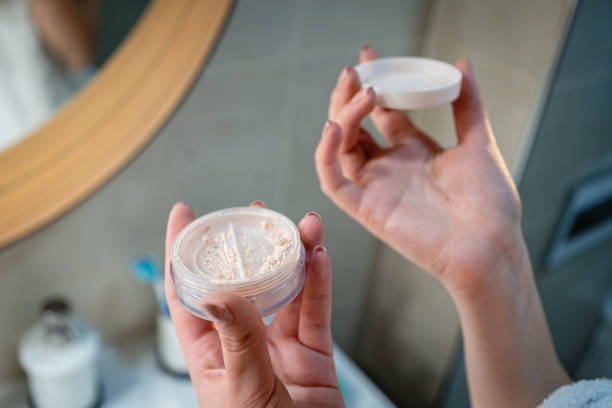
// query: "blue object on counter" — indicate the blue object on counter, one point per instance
point(148, 270)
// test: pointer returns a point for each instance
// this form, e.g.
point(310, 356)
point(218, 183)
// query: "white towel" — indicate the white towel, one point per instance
point(582, 394)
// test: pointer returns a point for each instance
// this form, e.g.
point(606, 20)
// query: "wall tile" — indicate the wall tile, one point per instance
point(257, 30)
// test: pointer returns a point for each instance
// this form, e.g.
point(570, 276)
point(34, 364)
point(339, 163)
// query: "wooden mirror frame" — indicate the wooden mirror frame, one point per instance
point(108, 121)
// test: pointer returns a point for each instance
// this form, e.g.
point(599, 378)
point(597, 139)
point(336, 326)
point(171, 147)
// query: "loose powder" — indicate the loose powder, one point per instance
point(243, 250)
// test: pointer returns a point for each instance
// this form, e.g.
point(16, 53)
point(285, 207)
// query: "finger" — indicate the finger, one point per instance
point(258, 203)
point(190, 329)
point(394, 125)
point(471, 122)
point(311, 230)
point(367, 53)
point(350, 116)
point(286, 320)
point(397, 128)
point(368, 145)
point(243, 340)
point(347, 86)
point(315, 315)
point(341, 190)
point(188, 326)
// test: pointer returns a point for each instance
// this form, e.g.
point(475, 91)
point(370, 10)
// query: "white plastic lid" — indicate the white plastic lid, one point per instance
point(411, 82)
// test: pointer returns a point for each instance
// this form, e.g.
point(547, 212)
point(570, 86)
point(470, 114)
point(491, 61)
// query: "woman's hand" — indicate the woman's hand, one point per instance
point(238, 361)
point(455, 211)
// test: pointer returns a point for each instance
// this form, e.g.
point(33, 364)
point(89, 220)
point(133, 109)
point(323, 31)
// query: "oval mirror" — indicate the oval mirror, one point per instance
point(84, 84)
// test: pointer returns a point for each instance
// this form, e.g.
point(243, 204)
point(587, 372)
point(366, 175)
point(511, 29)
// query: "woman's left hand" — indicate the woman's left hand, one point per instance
point(239, 361)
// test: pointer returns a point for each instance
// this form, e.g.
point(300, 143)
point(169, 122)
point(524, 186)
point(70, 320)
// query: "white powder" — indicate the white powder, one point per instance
point(258, 247)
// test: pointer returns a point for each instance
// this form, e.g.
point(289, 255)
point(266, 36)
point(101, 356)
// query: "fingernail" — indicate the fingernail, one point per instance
point(179, 203)
point(328, 126)
point(218, 313)
point(370, 92)
point(365, 47)
point(350, 71)
point(313, 213)
point(258, 203)
point(319, 248)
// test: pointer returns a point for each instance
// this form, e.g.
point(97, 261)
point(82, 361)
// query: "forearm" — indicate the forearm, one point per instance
point(510, 357)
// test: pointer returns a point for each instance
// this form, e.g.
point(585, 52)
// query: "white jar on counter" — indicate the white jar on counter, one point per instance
point(59, 355)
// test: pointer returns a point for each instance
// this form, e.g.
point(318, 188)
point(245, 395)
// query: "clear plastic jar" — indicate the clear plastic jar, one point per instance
point(254, 252)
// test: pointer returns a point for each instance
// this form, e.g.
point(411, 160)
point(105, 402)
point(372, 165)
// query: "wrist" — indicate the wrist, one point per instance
point(506, 272)
point(506, 335)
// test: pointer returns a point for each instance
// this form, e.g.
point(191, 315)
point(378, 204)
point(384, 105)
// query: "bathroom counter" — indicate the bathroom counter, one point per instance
point(132, 378)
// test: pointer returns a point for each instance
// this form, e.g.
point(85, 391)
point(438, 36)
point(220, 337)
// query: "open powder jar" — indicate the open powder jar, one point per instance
point(253, 252)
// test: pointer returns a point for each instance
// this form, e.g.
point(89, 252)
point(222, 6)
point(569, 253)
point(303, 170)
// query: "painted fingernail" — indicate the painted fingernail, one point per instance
point(328, 126)
point(218, 313)
point(366, 47)
point(350, 71)
point(258, 203)
point(319, 248)
point(313, 213)
point(370, 92)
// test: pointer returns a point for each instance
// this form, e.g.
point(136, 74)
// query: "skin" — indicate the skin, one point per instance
point(238, 361)
point(456, 213)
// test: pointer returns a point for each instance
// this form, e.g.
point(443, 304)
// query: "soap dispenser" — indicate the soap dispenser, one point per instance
point(59, 355)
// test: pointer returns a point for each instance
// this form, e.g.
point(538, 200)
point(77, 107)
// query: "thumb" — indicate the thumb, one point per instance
point(471, 121)
point(244, 344)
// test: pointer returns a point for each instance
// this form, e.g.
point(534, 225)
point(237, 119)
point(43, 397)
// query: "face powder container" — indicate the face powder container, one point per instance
point(253, 252)
point(408, 83)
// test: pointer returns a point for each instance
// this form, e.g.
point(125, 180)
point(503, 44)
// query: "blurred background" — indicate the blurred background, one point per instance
point(48, 50)
point(247, 130)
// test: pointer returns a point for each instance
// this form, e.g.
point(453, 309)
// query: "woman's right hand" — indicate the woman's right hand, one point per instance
point(455, 211)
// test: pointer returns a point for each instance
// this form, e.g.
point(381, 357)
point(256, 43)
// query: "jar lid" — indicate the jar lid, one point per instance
point(411, 82)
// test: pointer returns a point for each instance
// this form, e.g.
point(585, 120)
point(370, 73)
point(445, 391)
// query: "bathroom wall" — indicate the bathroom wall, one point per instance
point(410, 332)
point(246, 131)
